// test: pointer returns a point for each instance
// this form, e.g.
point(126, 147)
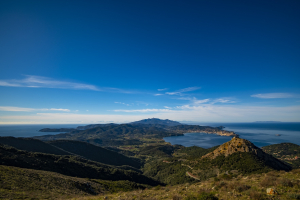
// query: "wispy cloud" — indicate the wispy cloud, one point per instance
point(20, 109)
point(182, 91)
point(123, 103)
point(274, 95)
point(45, 82)
point(196, 101)
point(143, 110)
point(224, 100)
point(158, 94)
point(162, 89)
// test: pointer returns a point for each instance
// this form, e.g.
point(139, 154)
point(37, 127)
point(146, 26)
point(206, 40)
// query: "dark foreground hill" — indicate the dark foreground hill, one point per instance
point(21, 183)
point(29, 144)
point(96, 153)
point(69, 165)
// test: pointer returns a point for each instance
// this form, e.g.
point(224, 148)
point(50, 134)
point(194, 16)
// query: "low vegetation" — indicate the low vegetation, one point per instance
point(286, 152)
point(241, 187)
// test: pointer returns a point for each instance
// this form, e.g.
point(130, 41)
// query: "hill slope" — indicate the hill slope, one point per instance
point(20, 183)
point(238, 145)
point(68, 165)
point(286, 152)
point(29, 144)
point(96, 153)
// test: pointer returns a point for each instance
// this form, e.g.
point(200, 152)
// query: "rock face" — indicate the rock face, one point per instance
point(241, 145)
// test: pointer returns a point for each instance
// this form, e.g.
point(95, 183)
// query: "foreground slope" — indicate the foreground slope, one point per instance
point(20, 183)
point(231, 187)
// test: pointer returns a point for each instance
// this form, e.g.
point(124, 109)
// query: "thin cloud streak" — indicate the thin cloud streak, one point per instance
point(45, 82)
point(143, 110)
point(20, 109)
point(162, 89)
point(273, 95)
point(180, 92)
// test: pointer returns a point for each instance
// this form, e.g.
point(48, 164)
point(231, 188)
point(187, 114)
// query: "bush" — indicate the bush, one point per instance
point(202, 196)
point(175, 197)
point(269, 181)
point(238, 187)
point(285, 182)
point(256, 195)
point(294, 196)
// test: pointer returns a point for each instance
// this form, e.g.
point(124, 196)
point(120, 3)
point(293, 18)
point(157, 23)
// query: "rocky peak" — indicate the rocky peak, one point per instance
point(241, 145)
point(234, 145)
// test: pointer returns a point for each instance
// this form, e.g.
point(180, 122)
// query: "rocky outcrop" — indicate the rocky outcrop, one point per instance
point(241, 145)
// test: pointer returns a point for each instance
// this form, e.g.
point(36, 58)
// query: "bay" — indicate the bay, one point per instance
point(261, 134)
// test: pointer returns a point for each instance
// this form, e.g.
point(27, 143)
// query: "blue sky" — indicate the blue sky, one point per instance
point(120, 61)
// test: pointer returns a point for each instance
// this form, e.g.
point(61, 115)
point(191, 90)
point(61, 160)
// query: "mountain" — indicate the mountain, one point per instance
point(156, 121)
point(114, 135)
point(96, 153)
point(34, 145)
point(238, 145)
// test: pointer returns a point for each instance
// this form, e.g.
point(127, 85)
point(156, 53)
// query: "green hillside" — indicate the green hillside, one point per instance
point(21, 183)
point(286, 152)
point(68, 165)
point(96, 153)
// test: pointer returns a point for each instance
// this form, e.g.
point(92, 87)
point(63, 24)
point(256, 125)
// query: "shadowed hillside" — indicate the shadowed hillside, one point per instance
point(96, 153)
point(29, 144)
point(68, 165)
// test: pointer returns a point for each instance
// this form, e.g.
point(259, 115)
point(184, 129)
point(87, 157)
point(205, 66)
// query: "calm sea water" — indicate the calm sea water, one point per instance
point(261, 134)
point(31, 130)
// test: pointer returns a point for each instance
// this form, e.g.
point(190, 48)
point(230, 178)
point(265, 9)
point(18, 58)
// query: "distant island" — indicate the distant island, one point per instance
point(267, 122)
point(169, 126)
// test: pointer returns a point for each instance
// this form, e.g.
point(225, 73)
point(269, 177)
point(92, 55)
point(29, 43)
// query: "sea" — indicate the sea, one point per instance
point(32, 130)
point(261, 134)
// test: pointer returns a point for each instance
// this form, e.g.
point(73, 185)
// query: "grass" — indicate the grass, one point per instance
point(20, 183)
point(254, 186)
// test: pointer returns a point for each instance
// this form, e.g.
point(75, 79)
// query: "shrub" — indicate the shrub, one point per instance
point(285, 182)
point(269, 181)
point(294, 196)
point(175, 197)
point(256, 195)
point(202, 196)
point(226, 177)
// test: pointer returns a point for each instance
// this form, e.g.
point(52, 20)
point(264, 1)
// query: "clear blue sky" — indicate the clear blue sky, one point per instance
point(120, 61)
